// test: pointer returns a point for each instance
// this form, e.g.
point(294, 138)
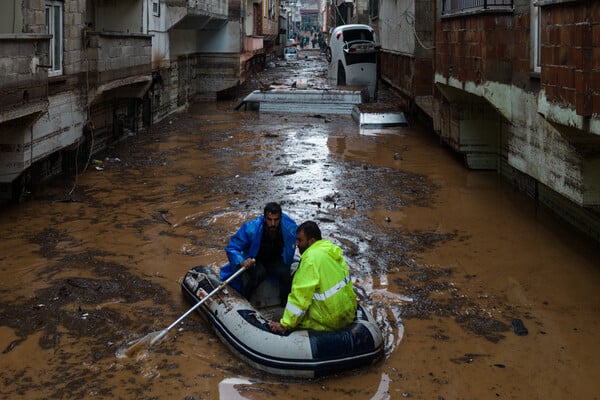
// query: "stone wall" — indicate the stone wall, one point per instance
point(22, 79)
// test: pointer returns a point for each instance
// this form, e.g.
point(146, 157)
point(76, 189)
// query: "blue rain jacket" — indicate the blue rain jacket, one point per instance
point(245, 243)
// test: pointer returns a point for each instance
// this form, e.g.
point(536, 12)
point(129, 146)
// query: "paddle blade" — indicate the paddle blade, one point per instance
point(159, 336)
point(132, 347)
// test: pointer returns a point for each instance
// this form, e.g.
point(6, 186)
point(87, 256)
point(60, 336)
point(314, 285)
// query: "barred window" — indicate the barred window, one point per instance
point(450, 7)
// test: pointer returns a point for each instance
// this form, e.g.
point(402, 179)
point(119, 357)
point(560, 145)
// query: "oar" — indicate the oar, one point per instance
point(154, 337)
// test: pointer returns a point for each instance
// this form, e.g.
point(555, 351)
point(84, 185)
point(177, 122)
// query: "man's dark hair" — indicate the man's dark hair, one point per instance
point(273, 208)
point(311, 230)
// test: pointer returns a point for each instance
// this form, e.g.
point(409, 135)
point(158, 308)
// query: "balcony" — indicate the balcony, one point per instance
point(119, 63)
point(201, 15)
point(254, 44)
point(23, 75)
point(459, 7)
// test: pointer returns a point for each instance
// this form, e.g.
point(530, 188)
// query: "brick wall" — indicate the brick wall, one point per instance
point(476, 49)
point(497, 47)
point(398, 70)
point(522, 61)
point(570, 45)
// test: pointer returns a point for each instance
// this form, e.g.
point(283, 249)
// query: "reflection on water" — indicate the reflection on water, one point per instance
point(383, 391)
point(235, 388)
point(228, 388)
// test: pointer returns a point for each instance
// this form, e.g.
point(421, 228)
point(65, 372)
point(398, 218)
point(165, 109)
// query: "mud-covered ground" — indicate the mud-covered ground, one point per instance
point(445, 259)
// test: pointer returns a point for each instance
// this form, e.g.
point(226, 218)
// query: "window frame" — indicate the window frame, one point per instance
point(536, 35)
point(459, 7)
point(54, 16)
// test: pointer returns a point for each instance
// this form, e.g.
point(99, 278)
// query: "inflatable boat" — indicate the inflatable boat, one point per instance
point(242, 325)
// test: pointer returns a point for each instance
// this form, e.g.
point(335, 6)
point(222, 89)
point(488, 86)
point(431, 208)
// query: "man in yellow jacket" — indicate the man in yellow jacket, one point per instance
point(322, 297)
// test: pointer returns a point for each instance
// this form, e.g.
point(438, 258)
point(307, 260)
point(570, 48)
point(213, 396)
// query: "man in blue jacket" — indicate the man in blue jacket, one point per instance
point(264, 246)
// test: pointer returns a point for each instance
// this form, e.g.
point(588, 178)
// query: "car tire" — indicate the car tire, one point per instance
point(328, 54)
point(341, 75)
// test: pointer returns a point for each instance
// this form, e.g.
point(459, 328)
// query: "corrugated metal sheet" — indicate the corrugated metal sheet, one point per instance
point(375, 119)
point(304, 100)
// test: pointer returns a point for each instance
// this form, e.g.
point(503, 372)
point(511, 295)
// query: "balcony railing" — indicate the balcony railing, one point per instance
point(23, 74)
point(197, 14)
point(450, 7)
point(254, 44)
point(215, 7)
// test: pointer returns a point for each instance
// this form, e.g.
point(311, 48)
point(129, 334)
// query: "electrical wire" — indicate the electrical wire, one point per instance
point(77, 159)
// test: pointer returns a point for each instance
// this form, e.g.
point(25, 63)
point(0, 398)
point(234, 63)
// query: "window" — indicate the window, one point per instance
point(536, 43)
point(350, 35)
point(450, 7)
point(156, 8)
point(54, 27)
point(373, 9)
point(271, 10)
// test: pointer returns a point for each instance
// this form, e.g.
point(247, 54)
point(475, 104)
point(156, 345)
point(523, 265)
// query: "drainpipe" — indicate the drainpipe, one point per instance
point(31, 146)
point(14, 13)
point(434, 50)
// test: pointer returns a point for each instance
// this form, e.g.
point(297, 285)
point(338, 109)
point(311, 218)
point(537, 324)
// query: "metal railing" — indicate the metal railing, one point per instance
point(450, 7)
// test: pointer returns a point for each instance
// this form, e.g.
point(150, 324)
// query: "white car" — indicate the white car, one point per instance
point(352, 56)
point(290, 53)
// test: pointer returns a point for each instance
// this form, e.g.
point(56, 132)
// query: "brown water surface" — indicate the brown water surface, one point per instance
point(444, 257)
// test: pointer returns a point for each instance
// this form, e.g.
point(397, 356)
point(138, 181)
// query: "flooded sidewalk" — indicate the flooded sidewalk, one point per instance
point(445, 258)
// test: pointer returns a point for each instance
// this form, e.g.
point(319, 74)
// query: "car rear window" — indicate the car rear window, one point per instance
point(358, 34)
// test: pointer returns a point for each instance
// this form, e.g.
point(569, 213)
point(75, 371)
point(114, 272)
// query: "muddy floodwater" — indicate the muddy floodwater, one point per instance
point(445, 258)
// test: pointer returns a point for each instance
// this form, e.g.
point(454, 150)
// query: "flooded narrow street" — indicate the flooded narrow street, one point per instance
point(445, 258)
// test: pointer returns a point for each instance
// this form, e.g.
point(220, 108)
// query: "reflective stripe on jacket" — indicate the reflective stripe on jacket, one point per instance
point(322, 296)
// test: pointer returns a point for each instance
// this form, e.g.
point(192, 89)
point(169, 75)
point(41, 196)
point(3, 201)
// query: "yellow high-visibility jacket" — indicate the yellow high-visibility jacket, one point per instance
point(322, 297)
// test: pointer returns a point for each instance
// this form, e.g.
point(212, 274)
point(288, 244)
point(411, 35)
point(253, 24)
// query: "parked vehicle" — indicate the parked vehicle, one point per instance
point(290, 53)
point(352, 56)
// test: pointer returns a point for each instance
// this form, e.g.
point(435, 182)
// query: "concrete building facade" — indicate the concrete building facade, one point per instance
point(514, 93)
point(73, 74)
point(511, 85)
point(79, 75)
point(405, 30)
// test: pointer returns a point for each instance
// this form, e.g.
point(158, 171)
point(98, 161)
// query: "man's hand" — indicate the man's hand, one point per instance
point(276, 327)
point(248, 263)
